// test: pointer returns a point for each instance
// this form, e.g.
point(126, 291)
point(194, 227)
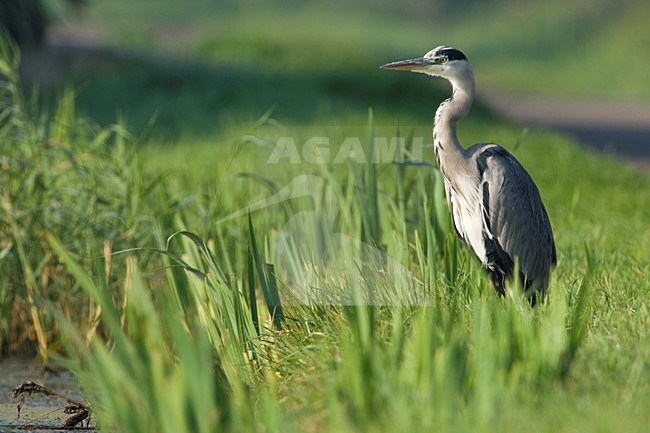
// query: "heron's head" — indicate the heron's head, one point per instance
point(442, 61)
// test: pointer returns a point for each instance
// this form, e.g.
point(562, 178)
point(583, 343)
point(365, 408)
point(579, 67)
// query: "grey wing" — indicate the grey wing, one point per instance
point(516, 225)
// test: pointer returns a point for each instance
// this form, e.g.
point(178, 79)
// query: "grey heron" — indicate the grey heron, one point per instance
point(495, 206)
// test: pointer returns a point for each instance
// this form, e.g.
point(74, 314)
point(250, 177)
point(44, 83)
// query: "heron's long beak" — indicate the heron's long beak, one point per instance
point(406, 65)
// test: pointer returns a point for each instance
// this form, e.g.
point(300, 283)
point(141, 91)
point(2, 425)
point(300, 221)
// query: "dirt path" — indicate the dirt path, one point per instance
point(612, 127)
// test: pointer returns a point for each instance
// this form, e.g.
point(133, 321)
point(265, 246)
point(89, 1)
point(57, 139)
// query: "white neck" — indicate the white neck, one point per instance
point(446, 145)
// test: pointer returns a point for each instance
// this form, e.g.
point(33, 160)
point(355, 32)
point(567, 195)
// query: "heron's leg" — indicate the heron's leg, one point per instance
point(497, 281)
point(536, 297)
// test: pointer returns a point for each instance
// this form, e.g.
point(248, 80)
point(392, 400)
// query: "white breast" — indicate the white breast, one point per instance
point(464, 202)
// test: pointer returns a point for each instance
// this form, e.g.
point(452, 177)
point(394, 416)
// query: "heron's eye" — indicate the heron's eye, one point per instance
point(442, 60)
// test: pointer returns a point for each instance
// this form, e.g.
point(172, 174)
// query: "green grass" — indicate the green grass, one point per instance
point(180, 335)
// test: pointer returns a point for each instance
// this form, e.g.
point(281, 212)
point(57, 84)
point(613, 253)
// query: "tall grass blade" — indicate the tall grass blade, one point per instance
point(276, 306)
point(267, 282)
point(252, 299)
point(580, 316)
point(371, 189)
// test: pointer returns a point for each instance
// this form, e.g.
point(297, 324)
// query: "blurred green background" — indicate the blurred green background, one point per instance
point(204, 64)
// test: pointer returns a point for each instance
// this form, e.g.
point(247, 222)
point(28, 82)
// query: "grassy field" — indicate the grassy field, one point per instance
point(310, 288)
